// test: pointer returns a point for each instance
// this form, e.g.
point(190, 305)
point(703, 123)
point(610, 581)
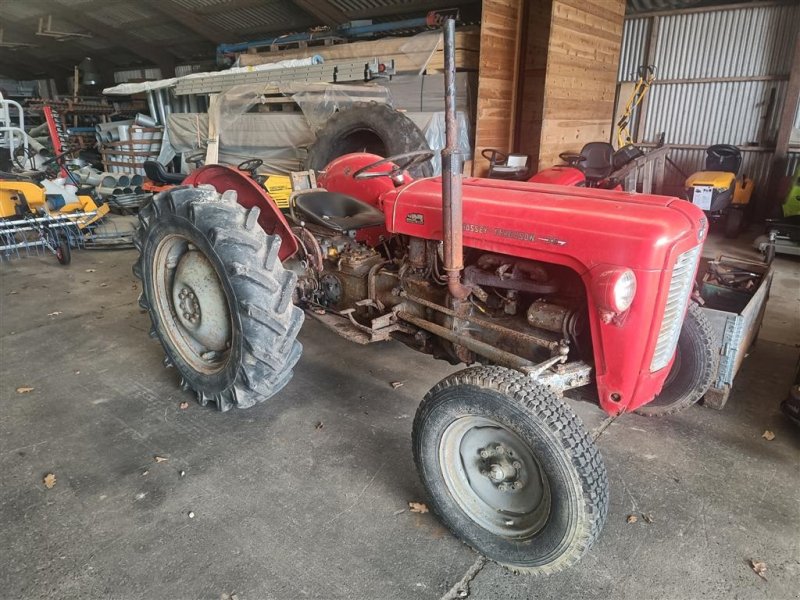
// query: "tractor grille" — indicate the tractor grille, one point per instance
point(680, 287)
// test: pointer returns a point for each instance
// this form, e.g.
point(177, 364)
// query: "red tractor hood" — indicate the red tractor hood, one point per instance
point(590, 226)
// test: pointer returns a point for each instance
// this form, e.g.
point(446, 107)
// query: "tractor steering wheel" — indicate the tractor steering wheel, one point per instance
point(251, 165)
point(401, 162)
point(494, 156)
point(571, 158)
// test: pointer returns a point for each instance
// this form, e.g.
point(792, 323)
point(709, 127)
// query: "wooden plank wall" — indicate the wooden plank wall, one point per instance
point(495, 114)
point(581, 76)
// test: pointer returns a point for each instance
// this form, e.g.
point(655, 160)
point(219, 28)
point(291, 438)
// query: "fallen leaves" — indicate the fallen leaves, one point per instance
point(184, 405)
point(759, 568)
point(417, 507)
point(49, 481)
point(160, 459)
point(91, 270)
point(768, 435)
point(319, 425)
point(54, 314)
point(646, 517)
point(397, 384)
point(24, 390)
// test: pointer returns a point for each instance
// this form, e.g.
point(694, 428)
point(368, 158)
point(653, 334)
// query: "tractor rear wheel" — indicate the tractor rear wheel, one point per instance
point(692, 370)
point(219, 299)
point(510, 469)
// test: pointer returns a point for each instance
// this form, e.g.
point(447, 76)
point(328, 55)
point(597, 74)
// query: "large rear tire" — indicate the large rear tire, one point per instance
point(219, 300)
point(693, 369)
point(368, 127)
point(510, 469)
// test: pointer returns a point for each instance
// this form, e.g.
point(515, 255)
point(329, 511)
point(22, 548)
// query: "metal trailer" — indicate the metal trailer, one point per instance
point(736, 316)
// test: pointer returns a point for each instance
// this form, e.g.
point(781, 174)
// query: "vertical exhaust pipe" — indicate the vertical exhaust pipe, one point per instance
point(452, 162)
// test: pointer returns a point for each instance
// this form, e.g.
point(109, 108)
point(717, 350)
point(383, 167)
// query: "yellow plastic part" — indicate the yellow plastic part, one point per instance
point(719, 179)
point(743, 191)
point(279, 188)
point(10, 192)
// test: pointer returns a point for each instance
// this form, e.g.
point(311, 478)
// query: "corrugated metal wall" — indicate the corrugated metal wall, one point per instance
point(721, 78)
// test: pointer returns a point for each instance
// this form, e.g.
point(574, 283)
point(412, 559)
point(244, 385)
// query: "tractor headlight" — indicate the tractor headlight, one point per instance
point(615, 289)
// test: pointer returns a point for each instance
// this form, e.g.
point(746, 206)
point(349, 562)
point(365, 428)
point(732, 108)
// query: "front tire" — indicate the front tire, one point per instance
point(218, 297)
point(692, 370)
point(510, 469)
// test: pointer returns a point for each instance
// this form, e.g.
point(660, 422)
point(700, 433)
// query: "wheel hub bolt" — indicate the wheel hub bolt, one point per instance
point(516, 464)
point(484, 453)
point(517, 485)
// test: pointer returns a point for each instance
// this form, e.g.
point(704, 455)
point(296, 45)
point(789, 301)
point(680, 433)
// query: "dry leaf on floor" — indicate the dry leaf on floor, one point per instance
point(24, 390)
point(319, 311)
point(145, 472)
point(648, 517)
point(319, 425)
point(49, 481)
point(399, 512)
point(397, 384)
point(104, 284)
point(759, 567)
point(91, 270)
point(768, 435)
point(632, 518)
point(417, 507)
point(184, 405)
point(54, 314)
point(160, 459)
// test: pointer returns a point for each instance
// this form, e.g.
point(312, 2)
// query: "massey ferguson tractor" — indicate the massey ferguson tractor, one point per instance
point(545, 288)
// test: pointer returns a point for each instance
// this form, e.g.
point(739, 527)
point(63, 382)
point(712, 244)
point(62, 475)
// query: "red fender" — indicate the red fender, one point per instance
point(249, 194)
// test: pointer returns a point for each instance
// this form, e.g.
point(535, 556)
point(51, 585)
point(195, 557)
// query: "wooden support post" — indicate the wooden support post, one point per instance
point(781, 156)
point(498, 74)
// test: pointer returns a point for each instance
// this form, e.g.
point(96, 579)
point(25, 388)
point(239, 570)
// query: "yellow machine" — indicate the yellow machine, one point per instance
point(647, 75)
point(719, 190)
point(20, 196)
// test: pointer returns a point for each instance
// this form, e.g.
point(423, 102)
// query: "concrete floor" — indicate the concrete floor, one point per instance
point(284, 509)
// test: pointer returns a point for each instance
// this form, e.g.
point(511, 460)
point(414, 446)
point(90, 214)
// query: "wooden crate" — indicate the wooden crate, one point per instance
point(130, 155)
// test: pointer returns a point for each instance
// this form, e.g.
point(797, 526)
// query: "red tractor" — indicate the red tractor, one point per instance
point(547, 288)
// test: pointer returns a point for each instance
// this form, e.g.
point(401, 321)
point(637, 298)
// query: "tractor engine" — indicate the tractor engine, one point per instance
point(531, 309)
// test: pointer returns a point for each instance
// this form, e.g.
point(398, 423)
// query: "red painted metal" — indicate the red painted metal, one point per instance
point(559, 175)
point(587, 230)
point(249, 194)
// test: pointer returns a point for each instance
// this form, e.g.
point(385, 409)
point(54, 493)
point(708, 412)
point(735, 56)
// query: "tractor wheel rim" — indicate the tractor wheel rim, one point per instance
point(192, 304)
point(494, 477)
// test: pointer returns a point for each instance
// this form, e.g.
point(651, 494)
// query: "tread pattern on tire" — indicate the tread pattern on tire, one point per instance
point(269, 324)
point(398, 133)
point(565, 425)
point(711, 358)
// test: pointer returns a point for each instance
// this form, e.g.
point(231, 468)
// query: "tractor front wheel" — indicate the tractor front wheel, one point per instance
point(692, 370)
point(219, 299)
point(510, 469)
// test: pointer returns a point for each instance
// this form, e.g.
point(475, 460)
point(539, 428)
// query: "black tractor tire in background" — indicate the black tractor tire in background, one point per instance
point(692, 372)
point(494, 403)
point(257, 291)
point(368, 127)
point(734, 222)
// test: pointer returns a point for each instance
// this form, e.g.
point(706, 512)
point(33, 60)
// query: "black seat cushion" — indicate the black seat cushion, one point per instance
point(156, 173)
point(598, 160)
point(337, 211)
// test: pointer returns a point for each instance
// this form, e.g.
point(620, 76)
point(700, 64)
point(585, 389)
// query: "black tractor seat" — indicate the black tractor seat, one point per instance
point(156, 173)
point(597, 162)
point(336, 211)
